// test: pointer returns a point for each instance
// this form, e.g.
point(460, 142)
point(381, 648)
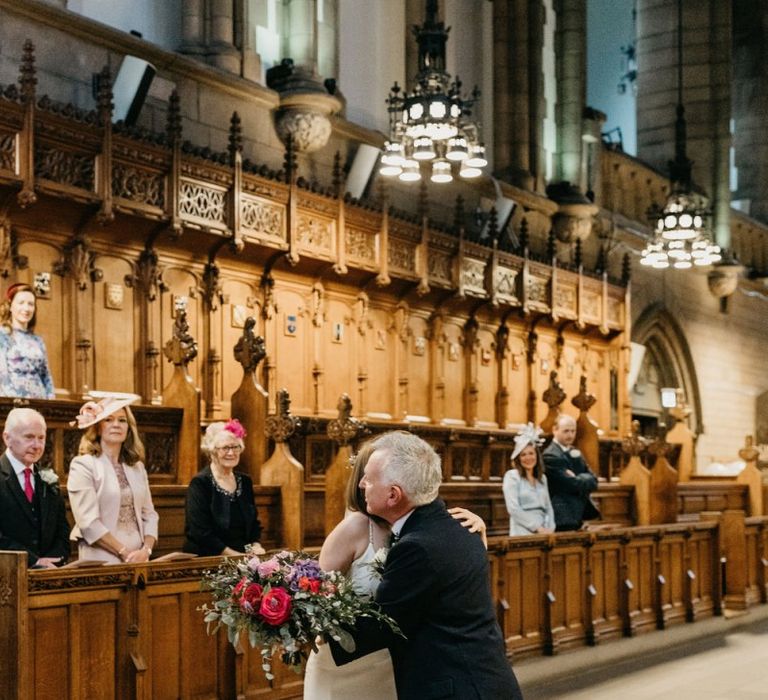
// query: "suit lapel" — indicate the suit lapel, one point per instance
point(12, 483)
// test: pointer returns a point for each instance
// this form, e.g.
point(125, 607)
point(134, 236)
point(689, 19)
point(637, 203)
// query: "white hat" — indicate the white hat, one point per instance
point(109, 402)
point(528, 435)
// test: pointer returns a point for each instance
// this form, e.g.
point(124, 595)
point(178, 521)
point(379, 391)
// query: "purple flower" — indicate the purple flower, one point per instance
point(253, 563)
point(303, 568)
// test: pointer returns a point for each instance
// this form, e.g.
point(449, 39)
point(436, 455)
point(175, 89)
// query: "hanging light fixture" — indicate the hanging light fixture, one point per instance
point(680, 237)
point(432, 123)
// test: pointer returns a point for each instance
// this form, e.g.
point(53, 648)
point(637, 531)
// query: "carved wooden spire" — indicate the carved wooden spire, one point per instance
point(281, 426)
point(235, 137)
point(27, 73)
point(173, 123)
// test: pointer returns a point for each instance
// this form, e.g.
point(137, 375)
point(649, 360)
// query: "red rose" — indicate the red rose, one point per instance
point(238, 589)
point(251, 598)
point(303, 583)
point(314, 585)
point(275, 606)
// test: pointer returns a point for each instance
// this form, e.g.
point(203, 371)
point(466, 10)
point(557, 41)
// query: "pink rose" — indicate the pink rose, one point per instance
point(275, 606)
point(252, 597)
point(267, 568)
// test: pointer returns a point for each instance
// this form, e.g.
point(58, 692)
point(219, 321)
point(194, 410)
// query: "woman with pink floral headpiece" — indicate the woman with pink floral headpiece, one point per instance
point(525, 487)
point(221, 511)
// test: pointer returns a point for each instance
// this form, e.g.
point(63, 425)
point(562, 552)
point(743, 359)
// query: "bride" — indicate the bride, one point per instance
point(351, 548)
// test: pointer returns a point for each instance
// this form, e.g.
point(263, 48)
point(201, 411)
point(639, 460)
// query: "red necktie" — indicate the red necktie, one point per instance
point(29, 492)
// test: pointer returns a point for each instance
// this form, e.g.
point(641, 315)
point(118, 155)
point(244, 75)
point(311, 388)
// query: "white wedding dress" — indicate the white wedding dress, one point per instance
point(370, 677)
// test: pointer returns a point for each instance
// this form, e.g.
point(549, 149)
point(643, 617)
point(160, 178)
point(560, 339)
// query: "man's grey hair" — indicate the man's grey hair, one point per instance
point(21, 416)
point(412, 464)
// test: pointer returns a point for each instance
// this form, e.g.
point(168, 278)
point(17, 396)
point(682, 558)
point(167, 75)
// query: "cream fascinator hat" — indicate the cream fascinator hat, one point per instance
point(528, 435)
point(109, 402)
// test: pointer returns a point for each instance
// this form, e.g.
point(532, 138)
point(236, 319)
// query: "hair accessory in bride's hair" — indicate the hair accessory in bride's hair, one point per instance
point(235, 427)
point(528, 435)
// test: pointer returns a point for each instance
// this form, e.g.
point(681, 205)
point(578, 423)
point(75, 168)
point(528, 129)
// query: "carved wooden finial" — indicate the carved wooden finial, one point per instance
point(749, 453)
point(181, 349)
point(523, 237)
point(634, 443)
point(577, 253)
point(551, 244)
point(337, 174)
point(554, 395)
point(458, 216)
point(250, 349)
point(27, 73)
point(289, 162)
point(104, 96)
point(602, 259)
point(583, 400)
point(626, 269)
point(235, 137)
point(344, 429)
point(212, 292)
point(493, 225)
point(173, 123)
point(681, 411)
point(281, 426)
point(660, 447)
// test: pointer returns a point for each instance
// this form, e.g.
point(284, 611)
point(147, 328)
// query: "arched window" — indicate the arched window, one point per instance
point(667, 363)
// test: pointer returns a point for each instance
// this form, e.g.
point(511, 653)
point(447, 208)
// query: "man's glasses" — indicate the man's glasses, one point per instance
point(229, 448)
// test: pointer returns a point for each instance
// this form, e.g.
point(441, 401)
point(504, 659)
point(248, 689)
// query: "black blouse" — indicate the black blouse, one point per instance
point(216, 519)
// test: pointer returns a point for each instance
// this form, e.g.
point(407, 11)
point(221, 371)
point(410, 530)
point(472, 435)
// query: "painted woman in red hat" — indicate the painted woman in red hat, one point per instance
point(24, 368)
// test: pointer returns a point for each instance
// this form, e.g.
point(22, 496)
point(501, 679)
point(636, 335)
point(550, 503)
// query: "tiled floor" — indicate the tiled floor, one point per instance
point(733, 666)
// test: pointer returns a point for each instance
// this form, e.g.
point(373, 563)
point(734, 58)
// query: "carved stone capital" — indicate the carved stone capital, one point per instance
point(723, 280)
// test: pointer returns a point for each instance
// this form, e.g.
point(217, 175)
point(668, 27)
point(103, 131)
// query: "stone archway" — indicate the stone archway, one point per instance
point(668, 362)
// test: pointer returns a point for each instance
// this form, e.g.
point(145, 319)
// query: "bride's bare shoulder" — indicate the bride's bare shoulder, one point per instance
point(345, 543)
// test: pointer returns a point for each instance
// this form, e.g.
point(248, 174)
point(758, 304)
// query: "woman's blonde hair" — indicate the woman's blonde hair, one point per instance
point(5, 306)
point(354, 497)
point(131, 451)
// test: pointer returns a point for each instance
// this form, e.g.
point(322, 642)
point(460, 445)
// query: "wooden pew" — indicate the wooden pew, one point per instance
point(135, 631)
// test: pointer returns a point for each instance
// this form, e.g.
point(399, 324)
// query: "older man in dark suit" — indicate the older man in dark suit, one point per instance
point(434, 584)
point(32, 513)
point(569, 478)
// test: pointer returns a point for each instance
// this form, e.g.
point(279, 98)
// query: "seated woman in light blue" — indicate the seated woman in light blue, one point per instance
point(23, 360)
point(525, 487)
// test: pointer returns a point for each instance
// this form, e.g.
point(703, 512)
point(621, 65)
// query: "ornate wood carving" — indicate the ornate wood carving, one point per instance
point(138, 185)
point(282, 426)
point(77, 262)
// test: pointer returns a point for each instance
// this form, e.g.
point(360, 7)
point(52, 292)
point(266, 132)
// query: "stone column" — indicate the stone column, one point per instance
point(571, 49)
point(193, 27)
point(514, 42)
point(222, 52)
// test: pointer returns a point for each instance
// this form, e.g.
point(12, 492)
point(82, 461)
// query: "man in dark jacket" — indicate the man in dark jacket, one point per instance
point(434, 584)
point(32, 514)
point(569, 478)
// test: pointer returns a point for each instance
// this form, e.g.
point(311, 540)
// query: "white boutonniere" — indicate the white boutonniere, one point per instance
point(378, 561)
point(575, 453)
point(49, 476)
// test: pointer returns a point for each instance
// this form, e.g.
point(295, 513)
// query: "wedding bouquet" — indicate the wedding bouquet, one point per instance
point(283, 603)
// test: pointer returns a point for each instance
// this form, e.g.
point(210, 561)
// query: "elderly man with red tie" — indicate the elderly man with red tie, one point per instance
point(32, 513)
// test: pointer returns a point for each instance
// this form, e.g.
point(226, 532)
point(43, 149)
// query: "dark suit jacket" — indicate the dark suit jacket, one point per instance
point(569, 494)
point(42, 531)
point(435, 585)
point(207, 521)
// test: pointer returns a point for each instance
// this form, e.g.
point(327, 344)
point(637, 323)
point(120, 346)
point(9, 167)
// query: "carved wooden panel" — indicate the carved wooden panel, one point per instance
point(486, 381)
point(523, 577)
point(64, 167)
point(8, 152)
point(452, 368)
point(401, 257)
point(567, 585)
point(671, 585)
point(417, 363)
point(537, 288)
point(263, 219)
point(592, 302)
point(138, 184)
point(604, 589)
point(440, 268)
point(362, 247)
point(316, 235)
point(202, 203)
point(505, 284)
point(288, 344)
point(639, 584)
point(566, 296)
point(473, 277)
point(615, 310)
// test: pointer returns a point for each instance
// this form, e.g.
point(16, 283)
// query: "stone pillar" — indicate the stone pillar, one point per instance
point(193, 27)
point(222, 52)
point(571, 46)
point(513, 47)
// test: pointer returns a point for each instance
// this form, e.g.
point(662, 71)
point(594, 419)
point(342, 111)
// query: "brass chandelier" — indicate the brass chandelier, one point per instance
point(432, 123)
point(680, 236)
